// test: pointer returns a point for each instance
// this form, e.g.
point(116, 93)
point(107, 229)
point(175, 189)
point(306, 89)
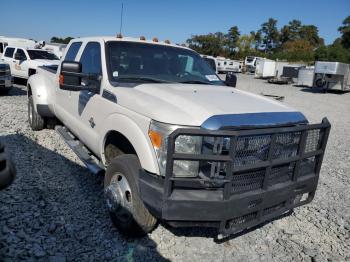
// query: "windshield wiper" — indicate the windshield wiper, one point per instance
point(143, 78)
point(195, 82)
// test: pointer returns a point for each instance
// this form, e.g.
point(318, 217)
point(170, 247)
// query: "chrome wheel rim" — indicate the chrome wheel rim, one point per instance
point(119, 197)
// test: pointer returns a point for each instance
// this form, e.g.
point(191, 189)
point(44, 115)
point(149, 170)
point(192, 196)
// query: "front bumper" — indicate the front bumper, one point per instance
point(6, 82)
point(249, 194)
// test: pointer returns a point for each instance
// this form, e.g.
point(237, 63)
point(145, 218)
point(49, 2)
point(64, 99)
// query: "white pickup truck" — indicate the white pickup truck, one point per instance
point(24, 62)
point(6, 79)
point(176, 143)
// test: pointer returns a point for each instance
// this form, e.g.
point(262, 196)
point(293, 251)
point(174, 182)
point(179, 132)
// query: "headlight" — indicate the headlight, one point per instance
point(159, 133)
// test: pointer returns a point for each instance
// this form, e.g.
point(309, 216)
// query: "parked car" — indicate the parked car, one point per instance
point(176, 143)
point(24, 62)
point(6, 80)
point(7, 169)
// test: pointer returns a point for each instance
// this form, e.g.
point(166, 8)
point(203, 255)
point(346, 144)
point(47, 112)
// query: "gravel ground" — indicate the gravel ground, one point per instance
point(55, 211)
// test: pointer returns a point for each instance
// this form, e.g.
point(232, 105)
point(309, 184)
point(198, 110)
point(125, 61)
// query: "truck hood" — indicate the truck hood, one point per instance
point(44, 62)
point(192, 105)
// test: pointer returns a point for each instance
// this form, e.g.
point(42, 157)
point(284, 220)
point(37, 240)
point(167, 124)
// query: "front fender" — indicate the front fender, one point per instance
point(136, 136)
point(37, 87)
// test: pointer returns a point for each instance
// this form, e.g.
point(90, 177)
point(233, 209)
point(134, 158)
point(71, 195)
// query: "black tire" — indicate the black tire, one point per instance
point(4, 91)
point(129, 213)
point(36, 121)
point(320, 83)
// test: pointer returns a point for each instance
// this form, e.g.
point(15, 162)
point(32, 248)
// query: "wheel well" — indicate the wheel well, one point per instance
point(31, 71)
point(116, 144)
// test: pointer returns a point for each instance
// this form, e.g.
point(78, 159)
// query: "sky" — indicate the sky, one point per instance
point(175, 20)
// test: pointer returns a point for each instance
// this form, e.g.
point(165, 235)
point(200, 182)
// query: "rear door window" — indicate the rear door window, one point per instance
point(91, 59)
point(73, 51)
point(9, 52)
point(21, 54)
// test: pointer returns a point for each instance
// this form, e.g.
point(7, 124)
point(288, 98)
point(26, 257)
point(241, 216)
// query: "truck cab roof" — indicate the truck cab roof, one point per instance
point(153, 41)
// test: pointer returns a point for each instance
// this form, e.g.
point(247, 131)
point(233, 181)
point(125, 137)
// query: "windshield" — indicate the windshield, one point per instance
point(250, 59)
point(141, 62)
point(39, 54)
point(211, 62)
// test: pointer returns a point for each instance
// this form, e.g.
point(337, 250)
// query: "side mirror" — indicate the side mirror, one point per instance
point(231, 80)
point(71, 76)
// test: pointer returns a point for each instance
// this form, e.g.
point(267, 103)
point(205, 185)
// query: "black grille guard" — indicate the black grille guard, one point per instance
point(270, 209)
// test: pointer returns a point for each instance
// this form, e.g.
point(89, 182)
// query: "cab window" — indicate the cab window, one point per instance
point(91, 59)
point(9, 52)
point(72, 51)
point(21, 55)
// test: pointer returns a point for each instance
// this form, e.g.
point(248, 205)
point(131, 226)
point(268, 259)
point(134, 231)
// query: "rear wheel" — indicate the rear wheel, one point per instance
point(35, 120)
point(126, 208)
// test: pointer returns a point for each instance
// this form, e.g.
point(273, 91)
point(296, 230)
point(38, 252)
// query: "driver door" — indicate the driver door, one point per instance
point(88, 103)
point(20, 63)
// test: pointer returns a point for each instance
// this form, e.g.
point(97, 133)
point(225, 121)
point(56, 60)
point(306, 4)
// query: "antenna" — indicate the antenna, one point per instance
point(121, 19)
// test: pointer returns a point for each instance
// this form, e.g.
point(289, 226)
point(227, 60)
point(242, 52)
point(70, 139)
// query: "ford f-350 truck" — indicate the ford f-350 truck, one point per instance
point(176, 143)
point(24, 62)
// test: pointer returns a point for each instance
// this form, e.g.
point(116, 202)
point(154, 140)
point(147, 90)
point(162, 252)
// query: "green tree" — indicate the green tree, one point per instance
point(232, 37)
point(270, 35)
point(334, 53)
point(310, 34)
point(59, 40)
point(257, 39)
point(345, 31)
point(295, 51)
point(291, 31)
point(210, 44)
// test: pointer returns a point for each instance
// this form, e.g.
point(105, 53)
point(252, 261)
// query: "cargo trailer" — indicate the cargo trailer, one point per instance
point(265, 68)
point(306, 76)
point(332, 75)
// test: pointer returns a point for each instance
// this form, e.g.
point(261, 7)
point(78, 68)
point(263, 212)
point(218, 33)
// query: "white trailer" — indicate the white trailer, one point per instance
point(18, 42)
point(55, 48)
point(251, 63)
point(332, 75)
point(265, 68)
point(233, 66)
point(306, 76)
point(221, 63)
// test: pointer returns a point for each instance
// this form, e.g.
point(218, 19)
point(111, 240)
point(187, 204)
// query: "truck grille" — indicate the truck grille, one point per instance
point(3, 73)
point(256, 149)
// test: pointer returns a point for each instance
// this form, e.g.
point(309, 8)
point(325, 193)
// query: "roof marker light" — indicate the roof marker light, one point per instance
point(142, 38)
point(119, 36)
point(155, 39)
point(167, 41)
